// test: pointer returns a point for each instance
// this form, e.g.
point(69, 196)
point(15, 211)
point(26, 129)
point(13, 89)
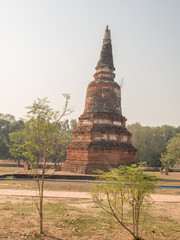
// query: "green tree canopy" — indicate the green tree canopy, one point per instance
point(151, 142)
point(172, 154)
point(17, 144)
point(8, 124)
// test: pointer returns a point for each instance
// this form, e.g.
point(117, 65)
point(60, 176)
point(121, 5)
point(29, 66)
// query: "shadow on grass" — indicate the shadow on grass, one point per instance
point(52, 237)
point(167, 180)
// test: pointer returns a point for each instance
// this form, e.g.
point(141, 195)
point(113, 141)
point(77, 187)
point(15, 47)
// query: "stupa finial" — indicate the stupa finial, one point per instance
point(106, 58)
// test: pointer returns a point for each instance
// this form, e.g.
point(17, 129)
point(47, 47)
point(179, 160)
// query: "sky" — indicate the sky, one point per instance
point(51, 47)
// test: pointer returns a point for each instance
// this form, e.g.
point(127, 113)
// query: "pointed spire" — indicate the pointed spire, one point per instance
point(106, 58)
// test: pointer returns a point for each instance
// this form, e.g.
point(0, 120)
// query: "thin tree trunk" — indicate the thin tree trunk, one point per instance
point(122, 210)
point(136, 221)
point(42, 197)
point(18, 162)
point(41, 214)
point(133, 213)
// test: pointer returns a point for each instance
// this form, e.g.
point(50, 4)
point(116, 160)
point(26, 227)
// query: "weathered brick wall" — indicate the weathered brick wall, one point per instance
point(103, 96)
point(103, 155)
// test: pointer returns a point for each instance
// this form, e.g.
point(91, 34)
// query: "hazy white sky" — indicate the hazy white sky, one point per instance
point(50, 47)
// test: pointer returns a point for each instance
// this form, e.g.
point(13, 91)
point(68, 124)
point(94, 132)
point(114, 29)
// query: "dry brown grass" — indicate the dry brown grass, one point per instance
point(80, 219)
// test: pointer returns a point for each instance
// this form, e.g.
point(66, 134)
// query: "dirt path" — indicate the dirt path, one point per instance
point(58, 194)
point(53, 194)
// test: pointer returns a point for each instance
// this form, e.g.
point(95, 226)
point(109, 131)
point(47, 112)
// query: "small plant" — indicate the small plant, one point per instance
point(123, 191)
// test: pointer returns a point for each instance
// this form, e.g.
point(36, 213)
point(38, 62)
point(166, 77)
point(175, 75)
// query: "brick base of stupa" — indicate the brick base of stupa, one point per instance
point(97, 155)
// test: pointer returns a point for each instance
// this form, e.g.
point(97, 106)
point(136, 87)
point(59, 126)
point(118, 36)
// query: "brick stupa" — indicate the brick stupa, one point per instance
point(101, 140)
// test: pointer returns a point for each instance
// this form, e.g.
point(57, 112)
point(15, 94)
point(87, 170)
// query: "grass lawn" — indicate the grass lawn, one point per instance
point(80, 219)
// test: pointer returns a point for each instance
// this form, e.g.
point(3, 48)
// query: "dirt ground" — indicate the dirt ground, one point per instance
point(70, 213)
point(81, 195)
point(73, 215)
point(81, 219)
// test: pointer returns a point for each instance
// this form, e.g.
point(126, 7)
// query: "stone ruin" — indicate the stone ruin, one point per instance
point(101, 140)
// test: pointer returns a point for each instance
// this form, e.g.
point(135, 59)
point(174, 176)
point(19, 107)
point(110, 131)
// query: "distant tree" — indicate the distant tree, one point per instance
point(8, 124)
point(151, 142)
point(63, 138)
point(17, 138)
point(73, 124)
point(16, 126)
point(8, 117)
point(157, 144)
point(172, 154)
point(168, 132)
point(4, 129)
point(178, 129)
point(17, 145)
point(124, 191)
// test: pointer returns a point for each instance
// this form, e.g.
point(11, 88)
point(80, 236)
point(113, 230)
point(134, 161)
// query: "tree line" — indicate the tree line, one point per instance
point(151, 142)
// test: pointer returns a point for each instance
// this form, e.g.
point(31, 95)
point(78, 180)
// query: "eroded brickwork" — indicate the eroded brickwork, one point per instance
point(101, 140)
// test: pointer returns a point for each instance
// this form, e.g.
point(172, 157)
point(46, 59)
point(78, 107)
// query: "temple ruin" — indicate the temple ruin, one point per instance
point(101, 140)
